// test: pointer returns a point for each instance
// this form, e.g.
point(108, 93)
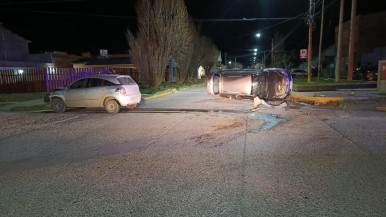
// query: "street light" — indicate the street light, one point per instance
point(258, 35)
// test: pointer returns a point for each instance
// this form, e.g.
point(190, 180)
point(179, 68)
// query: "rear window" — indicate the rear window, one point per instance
point(125, 80)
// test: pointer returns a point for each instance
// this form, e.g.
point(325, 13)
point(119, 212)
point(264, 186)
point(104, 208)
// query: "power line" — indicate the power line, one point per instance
point(39, 2)
point(247, 19)
point(133, 17)
point(72, 13)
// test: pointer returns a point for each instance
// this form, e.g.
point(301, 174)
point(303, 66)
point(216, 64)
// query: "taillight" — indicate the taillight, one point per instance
point(121, 90)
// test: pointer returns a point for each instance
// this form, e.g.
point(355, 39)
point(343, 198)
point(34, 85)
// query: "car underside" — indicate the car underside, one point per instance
point(267, 84)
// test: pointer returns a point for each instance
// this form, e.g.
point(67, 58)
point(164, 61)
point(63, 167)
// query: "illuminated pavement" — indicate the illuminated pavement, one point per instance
point(300, 160)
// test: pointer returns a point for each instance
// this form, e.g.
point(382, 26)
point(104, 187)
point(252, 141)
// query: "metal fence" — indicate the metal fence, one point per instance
point(25, 80)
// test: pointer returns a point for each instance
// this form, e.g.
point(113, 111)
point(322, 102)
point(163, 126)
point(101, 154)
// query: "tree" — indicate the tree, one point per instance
point(185, 50)
point(163, 34)
point(208, 53)
point(278, 50)
point(288, 60)
point(203, 53)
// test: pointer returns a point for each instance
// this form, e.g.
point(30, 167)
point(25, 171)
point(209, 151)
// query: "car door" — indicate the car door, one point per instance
point(95, 93)
point(75, 94)
point(213, 84)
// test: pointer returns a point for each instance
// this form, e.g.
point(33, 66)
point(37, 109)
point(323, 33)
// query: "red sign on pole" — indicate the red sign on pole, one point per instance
point(303, 53)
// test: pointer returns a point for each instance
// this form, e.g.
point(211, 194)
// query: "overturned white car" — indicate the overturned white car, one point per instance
point(268, 84)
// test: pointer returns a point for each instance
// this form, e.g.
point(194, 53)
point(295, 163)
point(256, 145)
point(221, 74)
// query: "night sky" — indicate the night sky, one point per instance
point(77, 26)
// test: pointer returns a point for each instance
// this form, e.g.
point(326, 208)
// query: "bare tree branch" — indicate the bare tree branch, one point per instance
point(165, 32)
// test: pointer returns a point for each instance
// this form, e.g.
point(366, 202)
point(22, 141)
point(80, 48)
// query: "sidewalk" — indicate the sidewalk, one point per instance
point(36, 103)
point(326, 97)
point(39, 104)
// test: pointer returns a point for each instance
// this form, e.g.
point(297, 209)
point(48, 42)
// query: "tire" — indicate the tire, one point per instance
point(58, 105)
point(132, 106)
point(112, 106)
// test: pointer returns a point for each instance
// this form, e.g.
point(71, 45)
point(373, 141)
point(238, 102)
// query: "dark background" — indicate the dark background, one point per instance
point(77, 26)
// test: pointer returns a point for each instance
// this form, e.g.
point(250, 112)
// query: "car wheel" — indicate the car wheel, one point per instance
point(58, 105)
point(132, 106)
point(112, 106)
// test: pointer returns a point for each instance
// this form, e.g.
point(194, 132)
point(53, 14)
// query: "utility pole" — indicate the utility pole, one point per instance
point(351, 49)
point(339, 46)
point(310, 42)
point(272, 57)
point(320, 42)
point(226, 60)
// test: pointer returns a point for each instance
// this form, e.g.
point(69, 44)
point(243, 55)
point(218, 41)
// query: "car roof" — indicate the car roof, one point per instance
point(109, 77)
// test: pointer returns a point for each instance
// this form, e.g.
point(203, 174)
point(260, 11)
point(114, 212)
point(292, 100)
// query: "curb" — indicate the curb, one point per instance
point(335, 87)
point(166, 93)
point(381, 109)
point(315, 100)
point(7, 107)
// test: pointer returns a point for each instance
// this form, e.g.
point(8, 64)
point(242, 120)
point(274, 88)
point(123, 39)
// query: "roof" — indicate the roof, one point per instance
point(107, 61)
point(13, 33)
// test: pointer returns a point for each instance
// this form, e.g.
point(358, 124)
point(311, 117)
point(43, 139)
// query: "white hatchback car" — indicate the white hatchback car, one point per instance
point(98, 91)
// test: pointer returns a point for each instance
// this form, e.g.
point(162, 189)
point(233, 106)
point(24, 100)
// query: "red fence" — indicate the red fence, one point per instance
point(24, 80)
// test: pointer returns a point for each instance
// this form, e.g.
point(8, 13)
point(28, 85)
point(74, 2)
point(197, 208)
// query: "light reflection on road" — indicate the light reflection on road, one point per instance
point(270, 121)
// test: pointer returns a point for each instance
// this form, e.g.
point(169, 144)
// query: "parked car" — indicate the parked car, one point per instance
point(268, 84)
point(299, 73)
point(367, 73)
point(110, 92)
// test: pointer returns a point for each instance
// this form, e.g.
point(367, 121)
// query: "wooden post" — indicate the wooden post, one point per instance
point(339, 46)
point(351, 50)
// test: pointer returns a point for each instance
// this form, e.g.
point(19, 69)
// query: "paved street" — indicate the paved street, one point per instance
point(191, 154)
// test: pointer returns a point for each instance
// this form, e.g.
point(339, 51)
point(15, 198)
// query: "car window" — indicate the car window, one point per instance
point(125, 80)
point(96, 82)
point(79, 84)
point(108, 83)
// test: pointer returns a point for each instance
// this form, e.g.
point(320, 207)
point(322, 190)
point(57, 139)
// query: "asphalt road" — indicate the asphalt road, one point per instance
point(190, 154)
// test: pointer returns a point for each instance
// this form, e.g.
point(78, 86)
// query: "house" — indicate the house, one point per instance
point(115, 63)
point(54, 59)
point(13, 48)
point(370, 43)
point(14, 52)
